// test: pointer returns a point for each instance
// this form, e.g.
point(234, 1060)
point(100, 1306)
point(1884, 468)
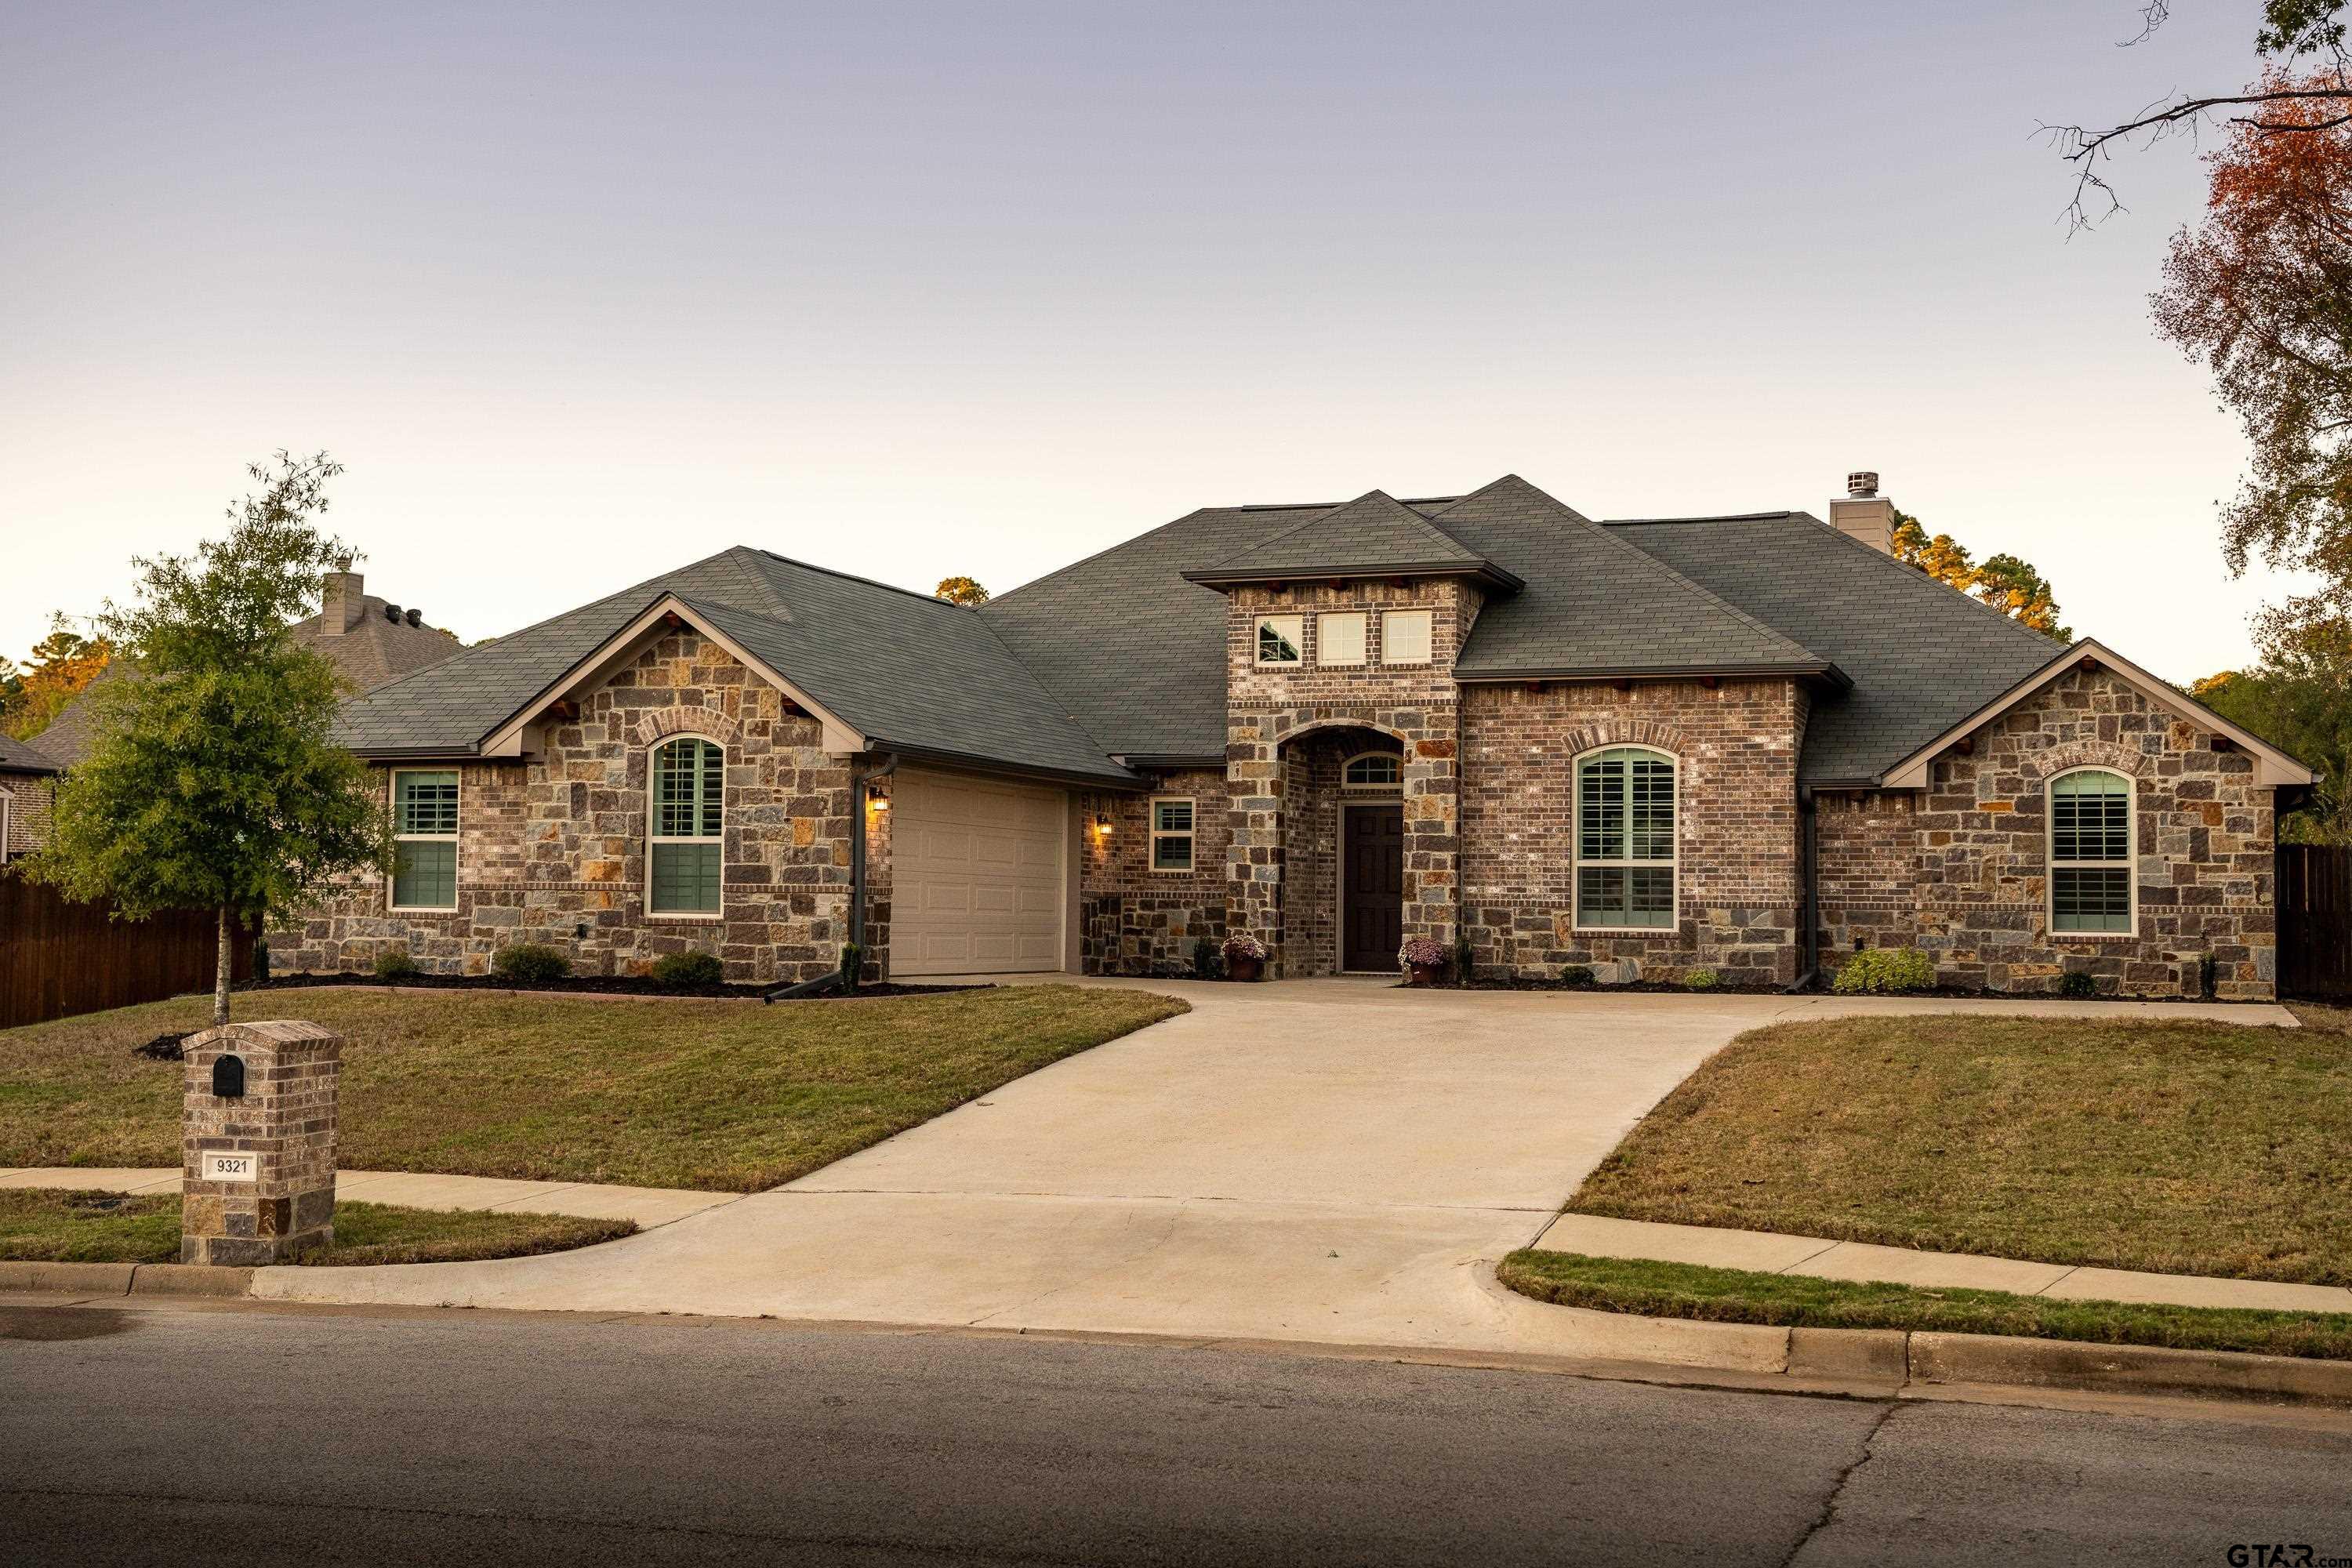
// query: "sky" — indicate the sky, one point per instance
point(581, 293)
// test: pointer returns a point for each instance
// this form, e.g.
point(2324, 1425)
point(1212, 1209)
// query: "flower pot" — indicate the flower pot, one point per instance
point(1239, 968)
point(1427, 973)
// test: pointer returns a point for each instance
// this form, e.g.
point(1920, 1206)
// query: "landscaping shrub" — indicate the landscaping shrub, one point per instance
point(1206, 964)
point(393, 964)
point(1465, 960)
point(1241, 944)
point(688, 970)
point(1703, 979)
point(530, 961)
point(1576, 975)
point(2077, 983)
point(1886, 969)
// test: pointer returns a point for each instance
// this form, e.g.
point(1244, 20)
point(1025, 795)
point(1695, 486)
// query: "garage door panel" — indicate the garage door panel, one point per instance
point(978, 871)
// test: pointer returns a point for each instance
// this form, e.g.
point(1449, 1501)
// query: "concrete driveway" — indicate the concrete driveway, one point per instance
point(1340, 1160)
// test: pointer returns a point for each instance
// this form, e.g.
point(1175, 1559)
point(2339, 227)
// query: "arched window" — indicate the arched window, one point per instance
point(1372, 770)
point(2091, 852)
point(684, 848)
point(1625, 840)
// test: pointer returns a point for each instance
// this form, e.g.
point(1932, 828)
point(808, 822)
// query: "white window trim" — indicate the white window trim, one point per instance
point(1577, 862)
point(1363, 638)
point(653, 816)
point(1258, 635)
point(2128, 864)
point(1151, 845)
point(1372, 789)
point(7, 802)
point(457, 876)
point(1426, 658)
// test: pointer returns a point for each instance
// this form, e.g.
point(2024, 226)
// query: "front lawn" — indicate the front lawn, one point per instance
point(48, 1226)
point(722, 1096)
point(1797, 1301)
point(2184, 1147)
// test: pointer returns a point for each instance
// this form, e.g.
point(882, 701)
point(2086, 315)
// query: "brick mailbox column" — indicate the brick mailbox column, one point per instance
point(257, 1143)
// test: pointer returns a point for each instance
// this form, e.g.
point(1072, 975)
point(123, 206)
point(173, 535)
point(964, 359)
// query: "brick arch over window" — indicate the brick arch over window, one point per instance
point(708, 722)
point(2048, 764)
point(1347, 721)
point(1602, 734)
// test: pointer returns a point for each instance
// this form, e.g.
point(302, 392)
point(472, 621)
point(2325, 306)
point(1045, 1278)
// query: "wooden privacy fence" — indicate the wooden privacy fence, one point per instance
point(2315, 920)
point(58, 958)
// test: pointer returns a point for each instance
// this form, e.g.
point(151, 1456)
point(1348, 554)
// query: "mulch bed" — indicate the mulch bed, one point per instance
point(592, 984)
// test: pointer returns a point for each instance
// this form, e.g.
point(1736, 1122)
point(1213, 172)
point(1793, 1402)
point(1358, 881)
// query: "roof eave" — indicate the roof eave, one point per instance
point(974, 763)
point(1483, 572)
point(1819, 669)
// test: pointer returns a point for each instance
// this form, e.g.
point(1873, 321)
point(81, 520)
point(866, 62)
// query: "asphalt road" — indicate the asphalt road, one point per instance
point(183, 1437)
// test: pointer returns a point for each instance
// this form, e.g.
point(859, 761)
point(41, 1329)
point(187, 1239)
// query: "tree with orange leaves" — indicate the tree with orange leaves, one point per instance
point(2261, 291)
point(62, 664)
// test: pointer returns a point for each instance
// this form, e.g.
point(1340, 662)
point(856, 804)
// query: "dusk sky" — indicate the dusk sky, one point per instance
point(583, 293)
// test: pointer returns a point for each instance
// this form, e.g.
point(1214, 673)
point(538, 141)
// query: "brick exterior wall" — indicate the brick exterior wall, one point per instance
point(1134, 921)
point(2203, 839)
point(29, 796)
point(1866, 865)
point(1737, 890)
point(1268, 708)
point(552, 848)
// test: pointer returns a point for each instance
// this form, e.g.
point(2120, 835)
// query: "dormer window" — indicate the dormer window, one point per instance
point(1278, 638)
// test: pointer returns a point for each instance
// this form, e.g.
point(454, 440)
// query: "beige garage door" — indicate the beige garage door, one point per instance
point(976, 875)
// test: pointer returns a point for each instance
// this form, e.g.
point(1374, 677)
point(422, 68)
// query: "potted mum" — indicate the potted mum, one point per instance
point(1244, 956)
point(1423, 959)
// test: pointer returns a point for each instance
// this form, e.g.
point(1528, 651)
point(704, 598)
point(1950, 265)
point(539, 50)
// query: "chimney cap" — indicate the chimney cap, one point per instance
point(1863, 483)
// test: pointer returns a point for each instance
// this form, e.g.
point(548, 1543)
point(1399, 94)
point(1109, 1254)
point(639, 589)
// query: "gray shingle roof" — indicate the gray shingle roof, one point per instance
point(912, 671)
point(1922, 657)
point(1373, 532)
point(1595, 604)
point(20, 757)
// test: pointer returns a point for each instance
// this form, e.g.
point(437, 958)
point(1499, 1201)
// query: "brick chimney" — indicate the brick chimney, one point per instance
point(339, 603)
point(1863, 513)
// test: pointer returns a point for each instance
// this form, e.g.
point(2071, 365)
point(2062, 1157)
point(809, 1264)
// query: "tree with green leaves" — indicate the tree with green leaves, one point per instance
point(215, 783)
point(2299, 699)
point(2008, 582)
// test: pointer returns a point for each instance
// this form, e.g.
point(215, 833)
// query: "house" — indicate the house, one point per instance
point(368, 640)
point(28, 780)
point(1750, 743)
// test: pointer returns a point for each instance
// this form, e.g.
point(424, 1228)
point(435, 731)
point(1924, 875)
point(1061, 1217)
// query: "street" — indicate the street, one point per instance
point(178, 1435)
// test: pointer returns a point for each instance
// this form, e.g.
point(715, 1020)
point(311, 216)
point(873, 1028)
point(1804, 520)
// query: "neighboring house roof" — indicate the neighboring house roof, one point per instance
point(1373, 534)
point(19, 757)
point(373, 648)
point(907, 671)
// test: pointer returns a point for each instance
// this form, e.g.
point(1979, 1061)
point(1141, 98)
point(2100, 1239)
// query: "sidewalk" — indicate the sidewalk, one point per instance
point(649, 1206)
point(1767, 1252)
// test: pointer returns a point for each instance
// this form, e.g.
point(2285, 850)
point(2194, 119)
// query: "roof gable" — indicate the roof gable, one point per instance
point(1373, 534)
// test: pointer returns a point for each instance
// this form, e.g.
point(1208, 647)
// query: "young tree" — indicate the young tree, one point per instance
point(960, 591)
point(63, 663)
point(2007, 583)
point(213, 783)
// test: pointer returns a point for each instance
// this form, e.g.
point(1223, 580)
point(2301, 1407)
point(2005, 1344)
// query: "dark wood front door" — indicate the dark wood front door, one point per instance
point(1372, 905)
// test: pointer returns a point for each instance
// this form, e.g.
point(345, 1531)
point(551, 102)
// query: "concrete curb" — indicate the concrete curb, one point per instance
point(2123, 1369)
point(190, 1279)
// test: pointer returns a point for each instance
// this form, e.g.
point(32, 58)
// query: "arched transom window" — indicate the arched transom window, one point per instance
point(1625, 840)
point(2091, 851)
point(1373, 769)
point(684, 848)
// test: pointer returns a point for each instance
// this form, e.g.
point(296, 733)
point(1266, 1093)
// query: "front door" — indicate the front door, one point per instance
point(1372, 903)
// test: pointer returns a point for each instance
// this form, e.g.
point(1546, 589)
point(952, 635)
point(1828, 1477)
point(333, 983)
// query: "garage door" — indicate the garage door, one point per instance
point(976, 875)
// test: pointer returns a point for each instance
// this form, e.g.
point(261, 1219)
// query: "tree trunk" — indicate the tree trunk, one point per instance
point(222, 969)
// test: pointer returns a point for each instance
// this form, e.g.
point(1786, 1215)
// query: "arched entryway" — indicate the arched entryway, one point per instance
point(1343, 860)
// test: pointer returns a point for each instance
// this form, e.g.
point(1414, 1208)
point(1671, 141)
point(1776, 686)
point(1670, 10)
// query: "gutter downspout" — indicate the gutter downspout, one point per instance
point(859, 778)
point(1809, 862)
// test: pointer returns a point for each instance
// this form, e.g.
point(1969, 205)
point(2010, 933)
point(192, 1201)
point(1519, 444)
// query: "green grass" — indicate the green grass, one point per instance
point(49, 1226)
point(2183, 1147)
point(722, 1096)
point(1794, 1300)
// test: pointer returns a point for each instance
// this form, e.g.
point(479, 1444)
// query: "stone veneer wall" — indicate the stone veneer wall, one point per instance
point(2203, 838)
point(1737, 890)
point(551, 849)
point(1136, 921)
point(1413, 704)
point(28, 813)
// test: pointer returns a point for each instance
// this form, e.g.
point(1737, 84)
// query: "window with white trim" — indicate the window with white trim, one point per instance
point(1339, 638)
point(1372, 770)
point(2091, 852)
point(1625, 840)
point(424, 838)
point(1278, 638)
point(1172, 833)
point(684, 850)
point(6, 801)
point(1405, 637)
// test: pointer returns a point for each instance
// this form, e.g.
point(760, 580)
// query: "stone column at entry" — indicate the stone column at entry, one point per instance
point(257, 1143)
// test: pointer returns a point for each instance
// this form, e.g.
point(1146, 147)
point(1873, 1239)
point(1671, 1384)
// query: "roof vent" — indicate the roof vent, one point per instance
point(414, 618)
point(1863, 483)
point(392, 611)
